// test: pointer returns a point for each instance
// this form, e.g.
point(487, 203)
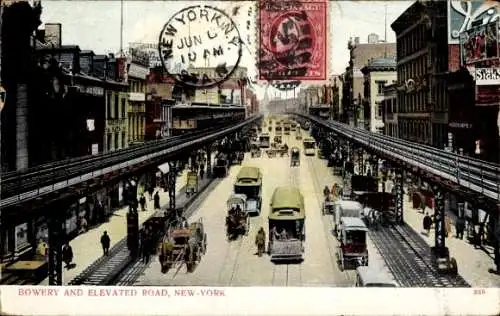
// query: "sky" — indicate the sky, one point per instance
point(95, 25)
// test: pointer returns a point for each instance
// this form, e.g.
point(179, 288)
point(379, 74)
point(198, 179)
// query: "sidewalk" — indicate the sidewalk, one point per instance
point(473, 264)
point(87, 247)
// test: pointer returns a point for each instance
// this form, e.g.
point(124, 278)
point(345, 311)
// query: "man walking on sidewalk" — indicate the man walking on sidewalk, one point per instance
point(157, 201)
point(142, 201)
point(105, 241)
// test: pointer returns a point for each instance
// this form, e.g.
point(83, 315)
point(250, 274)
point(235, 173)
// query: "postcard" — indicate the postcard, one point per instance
point(260, 157)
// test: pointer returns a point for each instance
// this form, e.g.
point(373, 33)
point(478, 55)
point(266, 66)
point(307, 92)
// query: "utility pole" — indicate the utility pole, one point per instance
point(3, 98)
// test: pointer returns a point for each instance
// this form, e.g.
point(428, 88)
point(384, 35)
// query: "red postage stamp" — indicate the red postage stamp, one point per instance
point(293, 40)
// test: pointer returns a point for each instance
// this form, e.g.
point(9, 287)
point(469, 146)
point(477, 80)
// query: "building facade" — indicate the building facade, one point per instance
point(116, 128)
point(353, 78)
point(378, 73)
point(390, 110)
point(421, 34)
point(137, 83)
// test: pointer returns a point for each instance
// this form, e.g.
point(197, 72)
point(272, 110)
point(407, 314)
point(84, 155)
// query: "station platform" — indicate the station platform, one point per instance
point(87, 247)
point(473, 264)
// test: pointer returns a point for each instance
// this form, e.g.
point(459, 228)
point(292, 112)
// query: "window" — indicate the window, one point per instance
point(116, 106)
point(380, 86)
point(124, 107)
point(108, 105)
point(117, 141)
point(108, 145)
point(123, 140)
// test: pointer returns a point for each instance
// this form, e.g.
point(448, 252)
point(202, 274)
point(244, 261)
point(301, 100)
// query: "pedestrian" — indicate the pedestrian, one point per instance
point(142, 201)
point(202, 171)
point(150, 191)
point(447, 225)
point(67, 255)
point(145, 246)
point(83, 225)
point(427, 223)
point(105, 241)
point(157, 201)
point(460, 227)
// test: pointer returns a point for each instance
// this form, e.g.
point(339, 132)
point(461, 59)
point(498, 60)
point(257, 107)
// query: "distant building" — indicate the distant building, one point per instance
point(378, 73)
point(353, 79)
point(390, 110)
point(137, 81)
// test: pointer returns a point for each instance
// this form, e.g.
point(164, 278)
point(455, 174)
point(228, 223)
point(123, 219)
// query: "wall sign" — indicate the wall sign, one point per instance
point(487, 76)
point(94, 91)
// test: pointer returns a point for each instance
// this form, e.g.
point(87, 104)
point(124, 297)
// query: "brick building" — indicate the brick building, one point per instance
point(390, 110)
point(353, 79)
point(378, 72)
point(421, 35)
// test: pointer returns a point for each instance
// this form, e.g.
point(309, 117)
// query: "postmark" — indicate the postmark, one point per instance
point(200, 46)
point(293, 39)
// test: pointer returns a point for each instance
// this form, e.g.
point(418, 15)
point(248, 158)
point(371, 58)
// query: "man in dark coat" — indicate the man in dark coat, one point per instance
point(67, 255)
point(157, 201)
point(427, 223)
point(142, 201)
point(105, 242)
point(460, 227)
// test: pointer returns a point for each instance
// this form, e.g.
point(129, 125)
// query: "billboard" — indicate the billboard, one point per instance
point(462, 15)
point(145, 54)
point(479, 43)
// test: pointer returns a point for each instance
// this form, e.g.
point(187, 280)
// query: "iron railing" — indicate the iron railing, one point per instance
point(33, 182)
point(479, 176)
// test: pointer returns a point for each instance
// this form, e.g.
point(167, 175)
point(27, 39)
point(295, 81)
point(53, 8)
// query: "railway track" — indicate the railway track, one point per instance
point(328, 226)
point(408, 256)
point(135, 268)
point(409, 259)
point(119, 268)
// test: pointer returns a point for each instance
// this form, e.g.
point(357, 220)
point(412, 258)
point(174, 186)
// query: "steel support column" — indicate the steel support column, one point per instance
point(399, 180)
point(361, 161)
point(439, 221)
point(172, 178)
point(56, 238)
point(208, 164)
point(496, 244)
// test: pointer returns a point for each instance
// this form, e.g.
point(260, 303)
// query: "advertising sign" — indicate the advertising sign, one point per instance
point(21, 236)
point(145, 54)
point(487, 76)
point(479, 43)
point(462, 15)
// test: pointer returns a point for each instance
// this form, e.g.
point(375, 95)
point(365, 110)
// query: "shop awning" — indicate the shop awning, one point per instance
point(164, 168)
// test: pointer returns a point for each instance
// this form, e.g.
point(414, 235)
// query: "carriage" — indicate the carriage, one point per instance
point(183, 245)
point(221, 165)
point(237, 219)
point(255, 151)
point(295, 157)
point(249, 183)
point(352, 237)
point(192, 183)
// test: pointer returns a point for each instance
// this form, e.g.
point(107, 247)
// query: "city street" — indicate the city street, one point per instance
point(236, 263)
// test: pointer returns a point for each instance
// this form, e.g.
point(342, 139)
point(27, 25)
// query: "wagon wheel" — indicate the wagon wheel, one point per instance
point(340, 258)
point(204, 247)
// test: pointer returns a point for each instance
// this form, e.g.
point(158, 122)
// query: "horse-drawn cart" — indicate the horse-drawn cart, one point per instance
point(237, 219)
point(183, 245)
point(353, 248)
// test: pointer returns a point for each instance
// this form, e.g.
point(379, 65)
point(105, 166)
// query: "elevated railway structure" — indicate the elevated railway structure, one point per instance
point(474, 181)
point(48, 190)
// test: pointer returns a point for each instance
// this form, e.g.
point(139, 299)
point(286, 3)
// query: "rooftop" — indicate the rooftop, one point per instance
point(380, 64)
